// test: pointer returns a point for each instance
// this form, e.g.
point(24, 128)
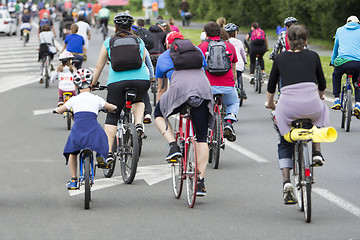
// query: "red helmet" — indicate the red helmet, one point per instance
point(170, 38)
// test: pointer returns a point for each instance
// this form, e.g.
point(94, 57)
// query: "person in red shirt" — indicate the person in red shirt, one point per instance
point(42, 11)
point(223, 84)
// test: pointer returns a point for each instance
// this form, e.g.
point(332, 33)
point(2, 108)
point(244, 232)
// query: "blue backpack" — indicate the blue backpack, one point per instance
point(44, 22)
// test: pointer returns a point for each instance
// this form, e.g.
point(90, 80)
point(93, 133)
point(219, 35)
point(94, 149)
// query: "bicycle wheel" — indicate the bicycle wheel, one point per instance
point(87, 180)
point(348, 110)
point(297, 176)
point(216, 142)
point(130, 154)
point(177, 173)
point(191, 172)
point(241, 89)
point(108, 172)
point(256, 77)
point(343, 106)
point(47, 73)
point(68, 120)
point(306, 186)
point(140, 141)
point(259, 79)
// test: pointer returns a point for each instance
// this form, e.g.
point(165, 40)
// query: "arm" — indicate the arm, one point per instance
point(267, 45)
point(61, 109)
point(162, 87)
point(110, 107)
point(276, 48)
point(53, 30)
point(270, 101)
point(335, 50)
point(149, 64)
point(100, 64)
point(88, 34)
point(64, 47)
point(234, 70)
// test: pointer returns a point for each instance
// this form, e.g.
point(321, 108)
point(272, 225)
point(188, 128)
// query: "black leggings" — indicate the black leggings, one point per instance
point(116, 96)
point(257, 50)
point(199, 116)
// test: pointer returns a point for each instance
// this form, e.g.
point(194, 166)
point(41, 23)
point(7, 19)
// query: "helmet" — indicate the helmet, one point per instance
point(230, 27)
point(83, 78)
point(123, 19)
point(45, 15)
point(170, 38)
point(65, 56)
point(289, 21)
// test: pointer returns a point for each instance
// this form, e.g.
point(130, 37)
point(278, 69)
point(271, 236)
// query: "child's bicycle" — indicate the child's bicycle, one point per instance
point(67, 114)
point(127, 143)
point(186, 167)
point(26, 35)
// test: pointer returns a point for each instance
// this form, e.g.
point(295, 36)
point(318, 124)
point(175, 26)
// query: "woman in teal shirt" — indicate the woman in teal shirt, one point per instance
point(118, 81)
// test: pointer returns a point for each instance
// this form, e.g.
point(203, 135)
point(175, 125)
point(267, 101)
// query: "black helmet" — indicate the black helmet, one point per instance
point(123, 19)
point(230, 27)
point(289, 21)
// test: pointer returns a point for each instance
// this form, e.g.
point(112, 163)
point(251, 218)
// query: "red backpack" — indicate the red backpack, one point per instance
point(258, 34)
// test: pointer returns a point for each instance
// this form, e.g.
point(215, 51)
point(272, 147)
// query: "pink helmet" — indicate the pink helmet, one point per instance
point(65, 56)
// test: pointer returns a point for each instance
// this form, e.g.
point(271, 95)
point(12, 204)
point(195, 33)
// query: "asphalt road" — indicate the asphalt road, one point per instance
point(244, 198)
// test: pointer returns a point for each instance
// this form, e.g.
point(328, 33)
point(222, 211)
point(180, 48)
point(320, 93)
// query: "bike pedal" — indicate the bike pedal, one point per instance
point(173, 160)
point(222, 146)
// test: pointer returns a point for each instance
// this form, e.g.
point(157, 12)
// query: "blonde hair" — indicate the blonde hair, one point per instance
point(74, 28)
point(221, 21)
point(66, 64)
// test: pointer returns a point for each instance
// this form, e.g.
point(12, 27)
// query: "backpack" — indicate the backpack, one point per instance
point(146, 36)
point(258, 34)
point(44, 22)
point(125, 52)
point(217, 58)
point(185, 55)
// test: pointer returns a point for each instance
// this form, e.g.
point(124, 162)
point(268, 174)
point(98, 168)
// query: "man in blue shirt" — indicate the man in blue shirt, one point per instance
point(74, 43)
point(346, 55)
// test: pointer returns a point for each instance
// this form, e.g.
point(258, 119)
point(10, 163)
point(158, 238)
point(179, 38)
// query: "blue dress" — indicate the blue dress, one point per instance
point(86, 133)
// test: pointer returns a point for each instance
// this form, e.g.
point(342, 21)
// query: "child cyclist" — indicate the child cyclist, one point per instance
point(65, 73)
point(86, 132)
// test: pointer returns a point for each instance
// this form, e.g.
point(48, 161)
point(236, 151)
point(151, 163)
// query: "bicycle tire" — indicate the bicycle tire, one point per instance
point(191, 172)
point(306, 187)
point(47, 77)
point(87, 180)
point(255, 78)
point(108, 172)
point(241, 88)
point(130, 157)
point(210, 145)
point(297, 173)
point(140, 140)
point(68, 120)
point(177, 173)
point(348, 110)
point(259, 80)
point(216, 142)
point(343, 105)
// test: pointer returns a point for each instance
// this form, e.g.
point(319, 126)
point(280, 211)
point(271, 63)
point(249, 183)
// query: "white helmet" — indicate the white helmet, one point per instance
point(83, 78)
point(65, 56)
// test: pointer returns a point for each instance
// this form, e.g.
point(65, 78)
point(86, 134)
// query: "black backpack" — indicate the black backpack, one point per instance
point(125, 52)
point(218, 60)
point(146, 36)
point(185, 55)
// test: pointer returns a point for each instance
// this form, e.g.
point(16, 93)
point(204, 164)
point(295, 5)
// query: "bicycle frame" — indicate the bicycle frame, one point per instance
point(345, 87)
point(83, 154)
point(346, 103)
point(217, 111)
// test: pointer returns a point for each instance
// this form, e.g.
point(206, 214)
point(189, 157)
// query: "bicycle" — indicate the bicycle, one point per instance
point(154, 85)
point(127, 142)
point(26, 35)
point(346, 101)
point(216, 135)
point(186, 167)
point(67, 114)
point(257, 76)
point(240, 90)
point(45, 69)
point(104, 30)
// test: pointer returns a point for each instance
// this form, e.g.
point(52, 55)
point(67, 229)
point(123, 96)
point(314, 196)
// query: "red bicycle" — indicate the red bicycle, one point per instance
point(185, 168)
point(216, 135)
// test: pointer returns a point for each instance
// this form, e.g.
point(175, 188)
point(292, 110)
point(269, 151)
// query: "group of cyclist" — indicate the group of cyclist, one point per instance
point(296, 70)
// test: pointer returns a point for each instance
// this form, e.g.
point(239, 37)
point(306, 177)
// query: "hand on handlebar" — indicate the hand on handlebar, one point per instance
point(271, 106)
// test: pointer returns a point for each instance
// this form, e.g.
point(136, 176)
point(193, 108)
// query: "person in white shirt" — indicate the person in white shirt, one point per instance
point(84, 30)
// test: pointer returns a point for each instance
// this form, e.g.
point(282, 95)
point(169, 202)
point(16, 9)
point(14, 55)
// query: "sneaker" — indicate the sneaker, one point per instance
point(147, 119)
point(139, 128)
point(200, 191)
point(318, 159)
point(110, 158)
point(101, 163)
point(252, 80)
point(264, 74)
point(244, 95)
point(52, 67)
point(336, 105)
point(72, 184)
point(174, 153)
point(229, 132)
point(289, 196)
point(357, 110)
point(41, 80)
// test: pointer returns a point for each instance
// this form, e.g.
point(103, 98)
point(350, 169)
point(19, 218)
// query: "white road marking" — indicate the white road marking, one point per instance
point(353, 209)
point(246, 152)
point(42, 111)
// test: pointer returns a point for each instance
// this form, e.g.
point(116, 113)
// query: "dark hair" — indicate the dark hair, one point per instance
point(255, 25)
point(140, 22)
point(81, 17)
point(171, 21)
point(297, 34)
point(212, 29)
point(45, 28)
point(231, 34)
point(224, 34)
point(121, 28)
point(160, 18)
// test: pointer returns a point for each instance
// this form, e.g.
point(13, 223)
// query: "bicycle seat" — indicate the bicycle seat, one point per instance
point(130, 94)
point(350, 72)
point(218, 95)
point(302, 123)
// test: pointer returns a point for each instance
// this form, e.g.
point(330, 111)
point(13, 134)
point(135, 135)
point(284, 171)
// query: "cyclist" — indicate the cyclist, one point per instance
point(103, 17)
point(345, 56)
point(282, 45)
point(84, 30)
point(86, 132)
point(258, 47)
point(65, 73)
point(47, 41)
point(300, 73)
point(187, 86)
point(185, 13)
point(174, 28)
point(223, 84)
point(25, 22)
point(119, 80)
point(94, 12)
point(232, 31)
point(159, 36)
point(47, 21)
point(74, 43)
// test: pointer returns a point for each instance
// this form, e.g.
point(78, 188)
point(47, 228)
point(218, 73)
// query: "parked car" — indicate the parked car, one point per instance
point(7, 24)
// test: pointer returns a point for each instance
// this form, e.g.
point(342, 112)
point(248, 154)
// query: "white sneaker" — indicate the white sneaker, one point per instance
point(289, 196)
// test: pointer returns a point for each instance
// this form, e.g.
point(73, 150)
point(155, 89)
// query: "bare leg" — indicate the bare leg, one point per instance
point(73, 165)
point(202, 150)
point(110, 131)
point(286, 174)
point(168, 133)
point(138, 111)
point(316, 147)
